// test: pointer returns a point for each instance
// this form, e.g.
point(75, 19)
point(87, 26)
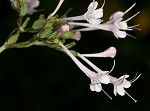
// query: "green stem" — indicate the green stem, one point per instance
point(2, 48)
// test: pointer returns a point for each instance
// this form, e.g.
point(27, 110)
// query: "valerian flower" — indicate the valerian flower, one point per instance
point(121, 83)
point(97, 77)
point(120, 26)
point(92, 15)
point(115, 24)
point(32, 4)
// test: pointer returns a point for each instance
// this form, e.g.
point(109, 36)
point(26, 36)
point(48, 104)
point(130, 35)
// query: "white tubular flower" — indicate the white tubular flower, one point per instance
point(121, 83)
point(32, 4)
point(110, 52)
point(115, 24)
point(97, 77)
point(119, 26)
point(92, 15)
point(88, 72)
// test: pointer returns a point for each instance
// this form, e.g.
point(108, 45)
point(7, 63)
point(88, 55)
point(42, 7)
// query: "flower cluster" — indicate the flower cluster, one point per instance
point(114, 24)
point(54, 31)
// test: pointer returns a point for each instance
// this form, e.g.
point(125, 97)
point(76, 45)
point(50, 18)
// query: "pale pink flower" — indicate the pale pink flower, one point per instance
point(115, 24)
point(92, 15)
point(98, 76)
point(121, 83)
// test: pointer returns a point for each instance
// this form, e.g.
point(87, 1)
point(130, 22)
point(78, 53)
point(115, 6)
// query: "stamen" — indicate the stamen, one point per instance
point(137, 28)
point(134, 79)
point(129, 8)
point(103, 4)
point(134, 76)
point(57, 8)
point(131, 36)
point(134, 27)
point(132, 17)
point(131, 97)
point(107, 94)
point(112, 68)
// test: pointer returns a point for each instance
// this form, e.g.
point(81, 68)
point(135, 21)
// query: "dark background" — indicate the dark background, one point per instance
point(43, 79)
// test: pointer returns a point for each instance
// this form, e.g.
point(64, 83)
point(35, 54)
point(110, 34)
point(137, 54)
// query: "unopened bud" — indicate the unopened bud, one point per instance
point(77, 36)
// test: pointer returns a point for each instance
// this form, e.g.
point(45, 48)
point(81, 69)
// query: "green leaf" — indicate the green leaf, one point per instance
point(39, 23)
point(13, 39)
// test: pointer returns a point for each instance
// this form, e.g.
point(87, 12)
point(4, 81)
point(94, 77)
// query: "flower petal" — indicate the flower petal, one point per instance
point(98, 13)
point(95, 86)
point(124, 76)
point(93, 5)
point(92, 87)
point(98, 87)
point(119, 34)
point(126, 84)
point(116, 16)
point(121, 25)
point(120, 90)
point(104, 78)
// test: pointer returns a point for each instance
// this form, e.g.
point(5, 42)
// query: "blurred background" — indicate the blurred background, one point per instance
point(43, 79)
